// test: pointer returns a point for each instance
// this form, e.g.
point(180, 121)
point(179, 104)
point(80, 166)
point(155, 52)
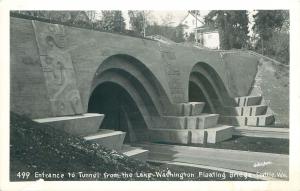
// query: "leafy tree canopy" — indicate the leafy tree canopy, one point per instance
point(137, 21)
point(232, 26)
point(268, 21)
point(173, 33)
point(112, 21)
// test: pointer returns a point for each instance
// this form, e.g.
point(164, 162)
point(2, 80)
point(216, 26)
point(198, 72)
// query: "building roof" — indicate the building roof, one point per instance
point(198, 18)
point(205, 29)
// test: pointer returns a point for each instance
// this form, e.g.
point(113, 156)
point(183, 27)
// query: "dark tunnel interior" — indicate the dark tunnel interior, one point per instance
point(121, 111)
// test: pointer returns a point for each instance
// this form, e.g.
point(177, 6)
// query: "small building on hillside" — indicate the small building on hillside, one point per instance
point(208, 37)
point(189, 23)
point(205, 36)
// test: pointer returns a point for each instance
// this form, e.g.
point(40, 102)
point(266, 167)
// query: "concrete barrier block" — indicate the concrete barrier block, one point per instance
point(197, 108)
point(262, 120)
point(198, 136)
point(218, 134)
point(260, 110)
point(231, 120)
point(170, 136)
point(135, 152)
point(188, 109)
point(202, 121)
point(248, 100)
point(209, 120)
point(267, 120)
point(78, 125)
point(173, 122)
point(245, 110)
point(108, 138)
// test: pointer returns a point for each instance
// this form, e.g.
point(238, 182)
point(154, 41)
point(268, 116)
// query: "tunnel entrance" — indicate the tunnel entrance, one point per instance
point(196, 95)
point(205, 85)
point(121, 111)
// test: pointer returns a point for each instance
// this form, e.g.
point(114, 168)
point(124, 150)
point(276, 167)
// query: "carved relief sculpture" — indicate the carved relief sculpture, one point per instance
point(58, 70)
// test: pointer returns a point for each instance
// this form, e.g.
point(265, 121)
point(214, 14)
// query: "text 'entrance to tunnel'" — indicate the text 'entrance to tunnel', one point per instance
point(121, 111)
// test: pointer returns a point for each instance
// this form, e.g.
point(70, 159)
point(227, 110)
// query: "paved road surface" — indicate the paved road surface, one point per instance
point(267, 164)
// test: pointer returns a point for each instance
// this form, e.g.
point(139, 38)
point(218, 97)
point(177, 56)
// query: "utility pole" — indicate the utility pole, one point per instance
point(196, 31)
point(262, 46)
point(144, 24)
point(195, 14)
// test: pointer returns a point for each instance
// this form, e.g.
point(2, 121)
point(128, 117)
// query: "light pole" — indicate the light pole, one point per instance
point(144, 23)
point(195, 13)
point(196, 30)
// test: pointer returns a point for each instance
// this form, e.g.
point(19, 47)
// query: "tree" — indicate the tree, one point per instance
point(112, 21)
point(139, 21)
point(80, 18)
point(191, 37)
point(268, 21)
point(232, 27)
point(166, 29)
point(272, 30)
point(178, 35)
point(167, 20)
point(173, 33)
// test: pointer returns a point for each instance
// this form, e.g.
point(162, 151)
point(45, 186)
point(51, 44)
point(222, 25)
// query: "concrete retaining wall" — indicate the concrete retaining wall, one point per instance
point(28, 94)
point(272, 82)
point(170, 65)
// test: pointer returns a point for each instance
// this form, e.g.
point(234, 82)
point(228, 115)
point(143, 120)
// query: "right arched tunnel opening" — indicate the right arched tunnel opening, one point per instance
point(197, 95)
point(205, 85)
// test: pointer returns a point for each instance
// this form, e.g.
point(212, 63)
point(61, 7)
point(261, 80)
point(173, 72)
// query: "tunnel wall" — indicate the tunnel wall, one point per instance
point(272, 82)
point(28, 93)
point(85, 50)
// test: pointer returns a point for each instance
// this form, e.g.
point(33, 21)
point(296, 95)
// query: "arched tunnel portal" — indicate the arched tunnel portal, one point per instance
point(120, 109)
point(205, 85)
point(129, 95)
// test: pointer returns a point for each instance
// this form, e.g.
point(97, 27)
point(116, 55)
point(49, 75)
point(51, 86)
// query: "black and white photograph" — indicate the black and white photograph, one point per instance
point(146, 96)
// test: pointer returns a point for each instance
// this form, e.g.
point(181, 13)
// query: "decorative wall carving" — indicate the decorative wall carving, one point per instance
point(58, 69)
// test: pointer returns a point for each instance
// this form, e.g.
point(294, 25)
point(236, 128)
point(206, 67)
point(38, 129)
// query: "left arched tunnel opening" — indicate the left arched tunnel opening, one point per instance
point(120, 110)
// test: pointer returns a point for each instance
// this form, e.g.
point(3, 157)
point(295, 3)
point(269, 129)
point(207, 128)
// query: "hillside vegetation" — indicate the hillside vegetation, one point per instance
point(40, 148)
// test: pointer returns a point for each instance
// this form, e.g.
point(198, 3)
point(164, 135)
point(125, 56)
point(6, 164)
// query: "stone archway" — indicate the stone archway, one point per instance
point(205, 85)
point(120, 109)
point(198, 94)
point(129, 95)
